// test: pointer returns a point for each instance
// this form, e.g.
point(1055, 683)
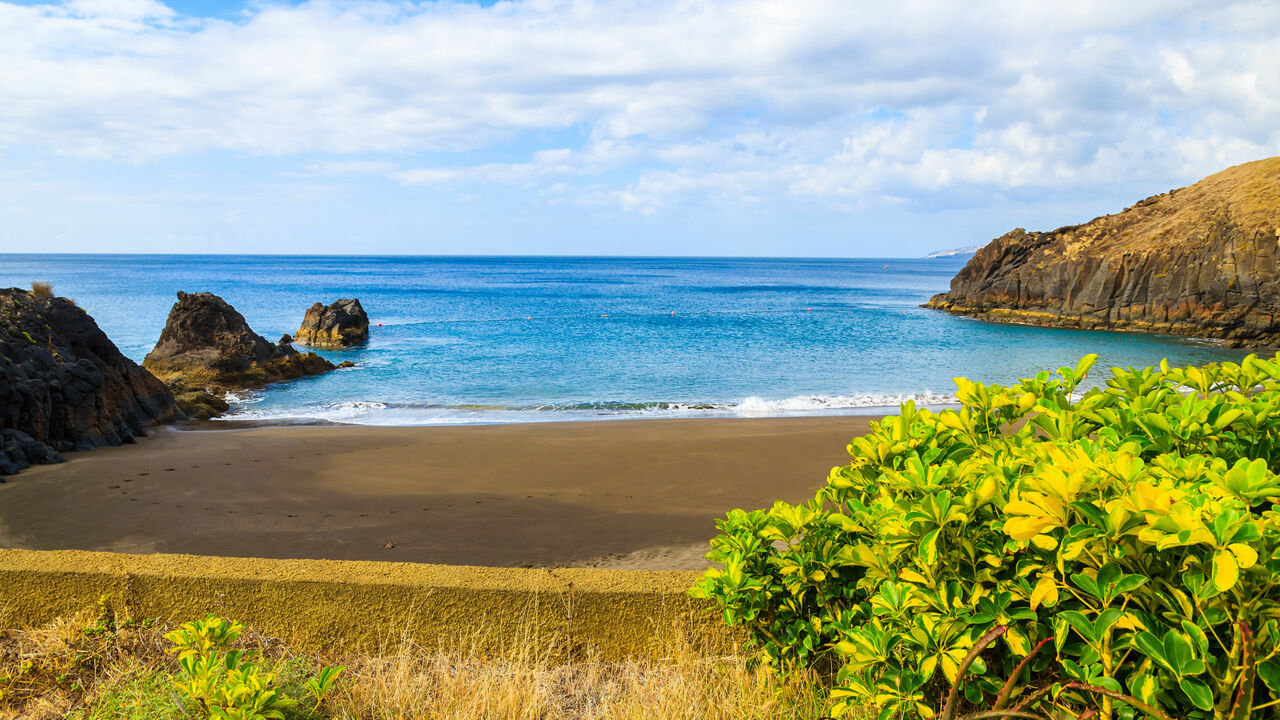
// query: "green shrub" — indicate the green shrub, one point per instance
point(225, 683)
point(1132, 529)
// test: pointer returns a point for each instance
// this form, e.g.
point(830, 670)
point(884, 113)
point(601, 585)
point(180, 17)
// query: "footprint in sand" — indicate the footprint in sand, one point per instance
point(113, 487)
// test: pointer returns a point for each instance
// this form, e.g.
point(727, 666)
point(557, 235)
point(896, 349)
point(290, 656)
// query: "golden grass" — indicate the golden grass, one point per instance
point(47, 671)
point(60, 671)
point(42, 289)
point(411, 683)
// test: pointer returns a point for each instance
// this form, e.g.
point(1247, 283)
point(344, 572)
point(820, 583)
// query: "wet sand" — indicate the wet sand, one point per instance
point(640, 494)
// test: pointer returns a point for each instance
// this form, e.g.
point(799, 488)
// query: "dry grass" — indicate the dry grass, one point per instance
point(42, 289)
point(412, 683)
point(48, 671)
point(60, 671)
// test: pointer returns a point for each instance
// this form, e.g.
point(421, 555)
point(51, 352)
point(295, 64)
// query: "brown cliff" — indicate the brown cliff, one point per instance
point(65, 386)
point(1199, 261)
point(207, 348)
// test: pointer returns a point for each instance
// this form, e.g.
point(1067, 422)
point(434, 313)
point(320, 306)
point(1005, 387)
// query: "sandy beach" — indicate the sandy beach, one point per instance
point(640, 494)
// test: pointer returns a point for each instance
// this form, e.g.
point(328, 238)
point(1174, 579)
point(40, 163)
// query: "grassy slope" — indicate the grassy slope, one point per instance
point(125, 673)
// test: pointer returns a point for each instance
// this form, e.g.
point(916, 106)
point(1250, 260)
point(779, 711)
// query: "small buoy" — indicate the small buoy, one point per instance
point(604, 316)
point(809, 309)
point(673, 313)
point(379, 324)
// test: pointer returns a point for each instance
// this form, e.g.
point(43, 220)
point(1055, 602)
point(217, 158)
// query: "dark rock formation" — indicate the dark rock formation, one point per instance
point(1202, 260)
point(65, 386)
point(342, 324)
point(207, 348)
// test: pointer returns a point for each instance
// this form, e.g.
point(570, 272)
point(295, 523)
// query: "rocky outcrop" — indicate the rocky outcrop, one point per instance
point(340, 325)
point(65, 386)
point(1202, 260)
point(207, 348)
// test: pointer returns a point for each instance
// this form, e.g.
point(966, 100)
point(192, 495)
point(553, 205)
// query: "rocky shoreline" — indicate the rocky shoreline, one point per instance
point(1201, 261)
point(207, 348)
point(65, 386)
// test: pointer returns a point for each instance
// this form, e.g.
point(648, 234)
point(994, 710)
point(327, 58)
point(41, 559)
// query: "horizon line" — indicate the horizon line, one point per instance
point(485, 255)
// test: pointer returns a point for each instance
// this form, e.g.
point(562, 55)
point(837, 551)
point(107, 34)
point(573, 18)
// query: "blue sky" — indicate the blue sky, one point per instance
point(666, 127)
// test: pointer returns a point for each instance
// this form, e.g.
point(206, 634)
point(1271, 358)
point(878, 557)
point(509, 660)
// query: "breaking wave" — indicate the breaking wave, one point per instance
point(368, 412)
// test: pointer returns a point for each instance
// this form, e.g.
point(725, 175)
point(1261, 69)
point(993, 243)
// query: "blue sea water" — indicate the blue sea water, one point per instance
point(501, 339)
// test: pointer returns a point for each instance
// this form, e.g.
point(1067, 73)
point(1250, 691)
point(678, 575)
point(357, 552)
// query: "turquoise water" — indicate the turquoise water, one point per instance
point(498, 339)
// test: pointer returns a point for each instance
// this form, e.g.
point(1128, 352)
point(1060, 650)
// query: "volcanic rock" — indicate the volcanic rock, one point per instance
point(1203, 260)
point(206, 346)
point(65, 386)
point(340, 325)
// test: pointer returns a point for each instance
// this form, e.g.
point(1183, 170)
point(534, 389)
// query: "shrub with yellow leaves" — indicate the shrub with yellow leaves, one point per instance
point(1132, 528)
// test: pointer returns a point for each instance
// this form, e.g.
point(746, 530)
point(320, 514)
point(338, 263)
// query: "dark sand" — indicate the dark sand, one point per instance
point(629, 494)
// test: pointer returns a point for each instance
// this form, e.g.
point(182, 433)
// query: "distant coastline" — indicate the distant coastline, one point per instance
point(953, 252)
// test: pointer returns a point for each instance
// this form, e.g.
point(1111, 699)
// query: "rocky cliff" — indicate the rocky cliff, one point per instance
point(207, 348)
point(339, 325)
point(1200, 261)
point(65, 386)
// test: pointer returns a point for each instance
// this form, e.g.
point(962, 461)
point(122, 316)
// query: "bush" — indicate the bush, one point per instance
point(226, 683)
point(1129, 530)
point(42, 289)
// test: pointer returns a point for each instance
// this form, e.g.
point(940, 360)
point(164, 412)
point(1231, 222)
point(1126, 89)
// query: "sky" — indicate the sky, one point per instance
point(818, 128)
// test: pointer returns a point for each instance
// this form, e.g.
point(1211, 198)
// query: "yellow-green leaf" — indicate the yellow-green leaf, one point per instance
point(1246, 557)
point(1225, 570)
point(1045, 592)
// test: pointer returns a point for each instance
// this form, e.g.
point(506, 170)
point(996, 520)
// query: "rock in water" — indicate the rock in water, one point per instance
point(1201, 261)
point(207, 347)
point(342, 324)
point(65, 386)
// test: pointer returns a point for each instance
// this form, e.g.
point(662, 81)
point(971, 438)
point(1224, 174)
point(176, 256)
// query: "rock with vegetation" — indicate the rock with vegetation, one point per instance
point(1202, 261)
point(339, 325)
point(207, 348)
point(64, 385)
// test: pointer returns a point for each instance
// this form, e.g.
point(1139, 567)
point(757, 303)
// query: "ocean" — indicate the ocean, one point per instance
point(518, 339)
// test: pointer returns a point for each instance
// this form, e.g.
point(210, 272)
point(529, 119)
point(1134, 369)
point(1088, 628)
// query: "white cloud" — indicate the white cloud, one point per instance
point(726, 101)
